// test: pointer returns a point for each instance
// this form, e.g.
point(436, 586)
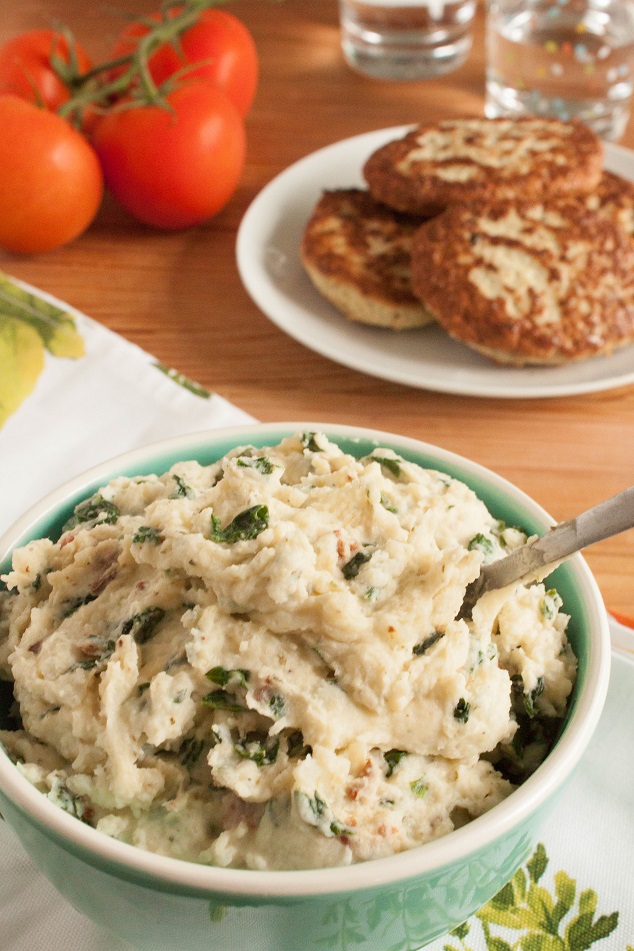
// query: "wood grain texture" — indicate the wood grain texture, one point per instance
point(180, 297)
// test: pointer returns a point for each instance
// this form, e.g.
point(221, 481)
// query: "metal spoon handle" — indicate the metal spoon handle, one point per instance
point(601, 521)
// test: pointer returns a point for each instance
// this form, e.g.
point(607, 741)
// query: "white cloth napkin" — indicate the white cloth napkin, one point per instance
point(97, 395)
point(105, 397)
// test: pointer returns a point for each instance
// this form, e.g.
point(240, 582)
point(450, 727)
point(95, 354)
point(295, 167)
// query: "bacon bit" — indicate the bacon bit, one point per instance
point(105, 566)
point(391, 629)
point(91, 649)
point(239, 811)
point(66, 539)
point(345, 549)
point(254, 816)
point(36, 648)
point(105, 579)
point(353, 791)
point(262, 692)
point(234, 814)
point(89, 814)
point(141, 585)
point(386, 830)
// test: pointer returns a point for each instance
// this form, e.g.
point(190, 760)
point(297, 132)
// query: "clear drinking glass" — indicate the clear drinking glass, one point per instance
point(405, 39)
point(565, 59)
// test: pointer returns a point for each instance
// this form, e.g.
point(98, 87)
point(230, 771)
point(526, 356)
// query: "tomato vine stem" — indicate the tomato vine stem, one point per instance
point(126, 81)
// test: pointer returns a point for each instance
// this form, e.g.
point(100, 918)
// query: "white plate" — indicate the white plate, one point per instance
point(268, 261)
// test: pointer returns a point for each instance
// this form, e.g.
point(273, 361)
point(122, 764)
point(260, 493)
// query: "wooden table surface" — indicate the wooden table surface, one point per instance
point(179, 296)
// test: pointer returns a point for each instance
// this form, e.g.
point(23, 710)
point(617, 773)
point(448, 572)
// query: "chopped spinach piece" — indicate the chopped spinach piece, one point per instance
point(183, 491)
point(73, 604)
point(531, 743)
point(419, 649)
point(339, 828)
point(225, 677)
point(262, 463)
point(142, 626)
point(419, 787)
point(524, 703)
point(95, 509)
point(392, 759)
point(296, 748)
point(386, 462)
point(550, 604)
point(481, 543)
point(351, 568)
point(97, 654)
point(531, 697)
point(146, 533)
point(277, 706)
point(498, 531)
point(316, 812)
point(223, 700)
point(66, 800)
point(245, 526)
point(176, 660)
point(309, 442)
point(262, 752)
point(190, 750)
point(462, 710)
point(479, 657)
point(387, 504)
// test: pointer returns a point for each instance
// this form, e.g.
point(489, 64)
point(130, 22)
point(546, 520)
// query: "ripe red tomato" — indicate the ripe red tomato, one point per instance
point(218, 41)
point(174, 168)
point(26, 71)
point(50, 178)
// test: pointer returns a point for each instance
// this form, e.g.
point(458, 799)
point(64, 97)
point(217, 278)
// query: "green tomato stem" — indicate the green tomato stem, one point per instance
point(93, 88)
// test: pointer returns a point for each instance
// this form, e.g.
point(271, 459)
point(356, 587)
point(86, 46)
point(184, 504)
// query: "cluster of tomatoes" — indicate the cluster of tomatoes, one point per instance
point(161, 124)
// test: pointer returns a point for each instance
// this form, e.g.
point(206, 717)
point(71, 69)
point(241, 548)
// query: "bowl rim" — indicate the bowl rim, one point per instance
point(412, 863)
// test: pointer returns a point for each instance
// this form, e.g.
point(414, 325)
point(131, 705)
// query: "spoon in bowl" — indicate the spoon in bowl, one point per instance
point(601, 521)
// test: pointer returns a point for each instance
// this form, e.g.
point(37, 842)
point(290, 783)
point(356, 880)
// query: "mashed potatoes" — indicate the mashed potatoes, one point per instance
point(257, 663)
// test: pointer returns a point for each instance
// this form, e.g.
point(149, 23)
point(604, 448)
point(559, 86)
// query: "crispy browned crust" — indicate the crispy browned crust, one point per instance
point(614, 198)
point(530, 283)
point(357, 253)
point(474, 159)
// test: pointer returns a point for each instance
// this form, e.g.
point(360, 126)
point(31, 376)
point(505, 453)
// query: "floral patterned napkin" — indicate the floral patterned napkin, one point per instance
point(73, 394)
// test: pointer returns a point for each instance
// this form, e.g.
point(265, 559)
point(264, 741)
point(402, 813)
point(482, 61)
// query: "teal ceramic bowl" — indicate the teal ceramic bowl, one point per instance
point(401, 902)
